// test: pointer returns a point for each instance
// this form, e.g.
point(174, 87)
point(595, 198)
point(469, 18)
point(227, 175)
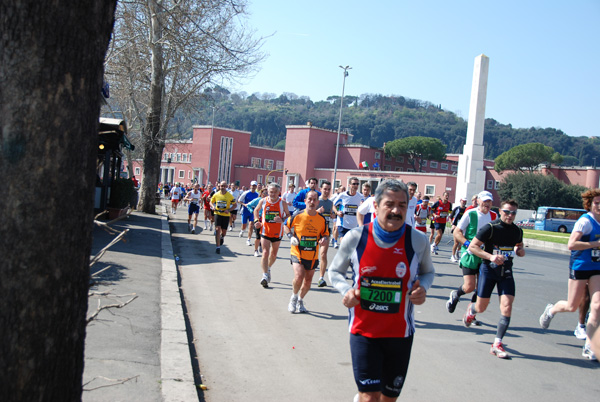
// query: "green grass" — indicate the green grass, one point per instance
point(554, 237)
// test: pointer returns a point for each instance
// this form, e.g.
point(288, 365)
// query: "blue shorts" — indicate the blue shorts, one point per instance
point(193, 209)
point(247, 216)
point(380, 364)
point(439, 226)
point(342, 231)
point(489, 278)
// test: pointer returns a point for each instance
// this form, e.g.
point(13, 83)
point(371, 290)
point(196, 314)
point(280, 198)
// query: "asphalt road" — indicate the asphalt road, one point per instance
point(250, 348)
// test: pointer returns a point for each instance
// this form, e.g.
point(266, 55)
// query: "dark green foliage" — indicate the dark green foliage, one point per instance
point(532, 190)
point(373, 120)
point(122, 192)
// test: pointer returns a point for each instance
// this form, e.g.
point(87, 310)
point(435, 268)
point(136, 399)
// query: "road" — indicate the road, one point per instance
point(250, 348)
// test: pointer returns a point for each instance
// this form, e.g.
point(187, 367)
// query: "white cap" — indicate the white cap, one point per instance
point(485, 196)
point(253, 183)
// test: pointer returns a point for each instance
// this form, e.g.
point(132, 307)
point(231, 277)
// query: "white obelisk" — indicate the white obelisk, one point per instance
point(470, 179)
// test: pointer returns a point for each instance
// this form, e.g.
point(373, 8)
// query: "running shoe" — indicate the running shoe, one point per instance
point(498, 350)
point(580, 332)
point(587, 352)
point(248, 242)
point(241, 233)
point(336, 245)
point(322, 283)
point(453, 258)
point(452, 301)
point(300, 307)
point(264, 282)
point(193, 230)
point(256, 254)
point(189, 227)
point(545, 317)
point(218, 250)
point(468, 318)
point(293, 303)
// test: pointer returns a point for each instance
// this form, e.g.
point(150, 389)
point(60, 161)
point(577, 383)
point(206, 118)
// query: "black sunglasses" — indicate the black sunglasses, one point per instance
point(509, 212)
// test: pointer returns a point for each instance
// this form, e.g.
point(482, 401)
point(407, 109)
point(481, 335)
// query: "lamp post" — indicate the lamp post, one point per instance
point(337, 144)
point(212, 129)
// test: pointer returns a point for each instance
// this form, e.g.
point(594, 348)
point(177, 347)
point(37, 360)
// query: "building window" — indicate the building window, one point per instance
point(433, 165)
point(178, 157)
point(377, 155)
point(279, 181)
point(269, 164)
point(137, 171)
point(444, 166)
point(490, 184)
point(400, 159)
point(255, 162)
point(225, 159)
point(454, 168)
point(497, 185)
point(410, 170)
point(399, 169)
point(279, 165)
point(190, 158)
point(429, 190)
point(388, 158)
point(424, 162)
point(184, 156)
point(166, 156)
point(259, 179)
point(182, 174)
point(387, 168)
point(189, 174)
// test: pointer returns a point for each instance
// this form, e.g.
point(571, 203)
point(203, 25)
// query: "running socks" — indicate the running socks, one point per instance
point(502, 327)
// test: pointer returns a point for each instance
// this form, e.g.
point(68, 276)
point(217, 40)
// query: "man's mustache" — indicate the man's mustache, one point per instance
point(394, 216)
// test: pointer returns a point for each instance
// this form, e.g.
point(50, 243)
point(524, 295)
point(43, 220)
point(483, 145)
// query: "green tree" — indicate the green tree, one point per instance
point(532, 190)
point(417, 149)
point(526, 157)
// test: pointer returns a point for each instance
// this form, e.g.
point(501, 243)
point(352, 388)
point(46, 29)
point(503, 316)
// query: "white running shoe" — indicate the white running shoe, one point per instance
point(241, 233)
point(300, 307)
point(336, 245)
point(453, 259)
point(587, 352)
point(193, 230)
point(432, 249)
point(256, 254)
point(545, 317)
point(580, 332)
point(265, 283)
point(248, 242)
point(293, 303)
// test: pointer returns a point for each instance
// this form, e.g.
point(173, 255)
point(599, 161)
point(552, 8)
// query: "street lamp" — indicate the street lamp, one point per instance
point(337, 145)
point(212, 129)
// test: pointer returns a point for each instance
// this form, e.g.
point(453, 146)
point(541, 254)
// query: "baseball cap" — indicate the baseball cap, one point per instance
point(463, 199)
point(485, 196)
point(253, 183)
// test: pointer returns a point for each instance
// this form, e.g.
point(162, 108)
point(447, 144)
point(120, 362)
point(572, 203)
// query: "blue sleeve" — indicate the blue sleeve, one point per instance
point(298, 202)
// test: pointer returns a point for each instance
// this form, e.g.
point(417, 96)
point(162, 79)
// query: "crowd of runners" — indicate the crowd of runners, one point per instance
point(383, 245)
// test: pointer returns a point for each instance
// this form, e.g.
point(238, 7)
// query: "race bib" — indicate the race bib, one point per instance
point(221, 205)
point(308, 243)
point(443, 214)
point(380, 295)
point(350, 210)
point(595, 254)
point(270, 217)
point(507, 252)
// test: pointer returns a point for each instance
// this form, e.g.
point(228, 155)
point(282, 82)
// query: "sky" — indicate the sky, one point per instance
point(544, 56)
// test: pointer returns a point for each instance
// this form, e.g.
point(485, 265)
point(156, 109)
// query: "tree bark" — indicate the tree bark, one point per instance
point(51, 68)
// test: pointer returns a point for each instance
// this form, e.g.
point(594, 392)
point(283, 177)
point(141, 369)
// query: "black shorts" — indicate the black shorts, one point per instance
point(489, 278)
point(256, 232)
point(308, 265)
point(439, 226)
point(222, 222)
point(342, 231)
point(271, 239)
point(380, 364)
point(469, 271)
point(583, 275)
point(233, 213)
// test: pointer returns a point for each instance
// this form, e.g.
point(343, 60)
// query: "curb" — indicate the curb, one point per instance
point(547, 246)
point(177, 378)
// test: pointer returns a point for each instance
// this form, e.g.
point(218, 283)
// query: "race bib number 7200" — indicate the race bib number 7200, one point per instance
point(381, 295)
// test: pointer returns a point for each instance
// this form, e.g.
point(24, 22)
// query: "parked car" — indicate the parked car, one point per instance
point(526, 223)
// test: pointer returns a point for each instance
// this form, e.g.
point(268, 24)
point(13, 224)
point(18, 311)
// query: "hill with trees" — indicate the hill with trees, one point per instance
point(373, 119)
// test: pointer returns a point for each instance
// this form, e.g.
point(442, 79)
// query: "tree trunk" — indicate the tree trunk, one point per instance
point(51, 67)
point(153, 134)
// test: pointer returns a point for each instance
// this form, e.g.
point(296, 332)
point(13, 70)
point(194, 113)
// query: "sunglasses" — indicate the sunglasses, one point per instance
point(354, 184)
point(509, 212)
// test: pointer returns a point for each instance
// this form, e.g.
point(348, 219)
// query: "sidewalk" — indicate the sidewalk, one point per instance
point(140, 351)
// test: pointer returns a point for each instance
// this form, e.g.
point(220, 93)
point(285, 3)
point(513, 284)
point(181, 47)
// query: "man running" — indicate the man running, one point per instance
point(412, 203)
point(247, 216)
point(440, 211)
point(288, 197)
point(324, 208)
point(422, 212)
point(222, 203)
point(392, 272)
point(269, 216)
point(502, 240)
point(193, 197)
point(346, 206)
point(456, 215)
point(584, 270)
point(234, 190)
point(175, 196)
point(298, 202)
point(470, 224)
point(307, 230)
point(208, 212)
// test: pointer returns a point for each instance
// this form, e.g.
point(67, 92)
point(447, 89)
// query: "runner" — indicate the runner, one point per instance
point(288, 197)
point(307, 230)
point(412, 203)
point(422, 213)
point(298, 202)
point(440, 211)
point(337, 223)
point(208, 212)
point(175, 196)
point(392, 273)
point(269, 216)
point(222, 203)
point(346, 205)
point(502, 240)
point(470, 224)
point(365, 211)
point(247, 216)
point(234, 190)
point(324, 208)
point(251, 207)
point(193, 197)
point(456, 215)
point(584, 268)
